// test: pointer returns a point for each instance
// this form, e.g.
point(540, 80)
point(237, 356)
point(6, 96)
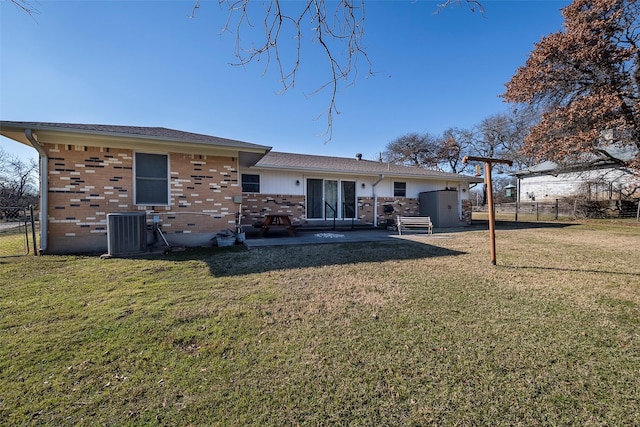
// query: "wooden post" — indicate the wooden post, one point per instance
point(491, 210)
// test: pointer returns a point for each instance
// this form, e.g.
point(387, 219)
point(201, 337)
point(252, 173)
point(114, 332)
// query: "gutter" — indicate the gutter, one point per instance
point(44, 187)
point(375, 201)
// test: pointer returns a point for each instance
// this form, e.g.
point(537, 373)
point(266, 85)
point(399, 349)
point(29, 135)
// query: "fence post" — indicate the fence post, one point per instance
point(557, 209)
point(33, 231)
point(538, 211)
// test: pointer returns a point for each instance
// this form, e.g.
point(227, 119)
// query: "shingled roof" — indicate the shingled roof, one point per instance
point(617, 156)
point(343, 165)
point(154, 133)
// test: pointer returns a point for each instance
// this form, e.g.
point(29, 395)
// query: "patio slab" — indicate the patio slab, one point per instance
point(328, 237)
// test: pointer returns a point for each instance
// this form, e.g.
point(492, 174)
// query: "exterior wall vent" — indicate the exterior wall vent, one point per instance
point(126, 233)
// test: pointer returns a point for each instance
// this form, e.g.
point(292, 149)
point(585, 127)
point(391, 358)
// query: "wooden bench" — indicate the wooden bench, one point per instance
point(404, 222)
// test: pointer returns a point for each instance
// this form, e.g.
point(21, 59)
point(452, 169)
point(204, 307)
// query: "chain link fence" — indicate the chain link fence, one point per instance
point(19, 230)
point(573, 208)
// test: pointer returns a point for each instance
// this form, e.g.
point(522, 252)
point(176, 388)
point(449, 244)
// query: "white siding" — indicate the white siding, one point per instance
point(294, 183)
point(548, 187)
point(291, 183)
point(416, 186)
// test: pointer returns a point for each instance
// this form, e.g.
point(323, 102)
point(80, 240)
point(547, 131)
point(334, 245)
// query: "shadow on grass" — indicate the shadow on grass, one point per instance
point(519, 225)
point(574, 270)
point(238, 262)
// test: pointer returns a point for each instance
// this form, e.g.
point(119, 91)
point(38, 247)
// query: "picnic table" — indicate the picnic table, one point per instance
point(280, 221)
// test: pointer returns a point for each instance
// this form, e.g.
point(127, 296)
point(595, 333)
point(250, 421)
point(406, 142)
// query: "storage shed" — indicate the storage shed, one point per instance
point(443, 208)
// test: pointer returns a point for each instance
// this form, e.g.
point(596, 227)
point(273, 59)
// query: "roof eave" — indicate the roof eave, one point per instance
point(71, 136)
point(452, 177)
point(97, 134)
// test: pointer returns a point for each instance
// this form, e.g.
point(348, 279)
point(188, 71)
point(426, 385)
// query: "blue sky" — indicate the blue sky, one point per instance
point(146, 63)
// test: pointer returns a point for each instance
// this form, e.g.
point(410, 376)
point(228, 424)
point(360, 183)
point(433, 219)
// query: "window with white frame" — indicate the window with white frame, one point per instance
point(151, 179)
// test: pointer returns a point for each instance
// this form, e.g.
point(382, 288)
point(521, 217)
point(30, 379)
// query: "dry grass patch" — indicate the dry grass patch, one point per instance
point(417, 331)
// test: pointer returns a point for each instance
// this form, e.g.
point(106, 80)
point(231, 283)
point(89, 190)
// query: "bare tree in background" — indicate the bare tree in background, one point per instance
point(429, 151)
point(413, 149)
point(17, 181)
point(455, 143)
point(502, 136)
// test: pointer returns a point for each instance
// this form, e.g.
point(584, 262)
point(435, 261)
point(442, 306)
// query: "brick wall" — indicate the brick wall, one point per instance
point(466, 211)
point(255, 206)
point(87, 183)
point(401, 206)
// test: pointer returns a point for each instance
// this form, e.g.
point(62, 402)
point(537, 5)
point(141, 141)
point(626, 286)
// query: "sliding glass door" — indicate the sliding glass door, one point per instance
point(315, 199)
point(329, 199)
point(348, 199)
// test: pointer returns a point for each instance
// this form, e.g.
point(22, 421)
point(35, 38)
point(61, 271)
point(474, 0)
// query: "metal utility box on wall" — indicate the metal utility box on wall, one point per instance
point(126, 233)
point(442, 207)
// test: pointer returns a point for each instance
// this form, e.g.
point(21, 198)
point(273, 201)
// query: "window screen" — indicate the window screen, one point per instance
point(400, 189)
point(152, 179)
point(250, 183)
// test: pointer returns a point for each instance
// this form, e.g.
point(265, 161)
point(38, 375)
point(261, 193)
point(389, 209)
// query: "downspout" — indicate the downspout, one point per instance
point(375, 202)
point(44, 188)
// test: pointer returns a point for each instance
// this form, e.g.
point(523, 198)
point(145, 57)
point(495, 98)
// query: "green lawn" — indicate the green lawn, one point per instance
point(414, 332)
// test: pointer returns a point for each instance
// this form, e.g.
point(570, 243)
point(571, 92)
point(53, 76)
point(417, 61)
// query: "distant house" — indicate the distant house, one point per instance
point(196, 185)
point(592, 178)
point(313, 189)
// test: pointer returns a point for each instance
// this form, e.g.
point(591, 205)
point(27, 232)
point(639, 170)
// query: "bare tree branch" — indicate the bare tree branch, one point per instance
point(26, 6)
point(340, 30)
point(474, 5)
point(338, 33)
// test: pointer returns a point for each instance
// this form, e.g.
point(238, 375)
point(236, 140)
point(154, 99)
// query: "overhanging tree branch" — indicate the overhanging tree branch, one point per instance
point(338, 34)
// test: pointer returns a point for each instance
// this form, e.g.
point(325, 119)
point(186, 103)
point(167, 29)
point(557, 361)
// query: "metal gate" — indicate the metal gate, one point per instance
point(18, 231)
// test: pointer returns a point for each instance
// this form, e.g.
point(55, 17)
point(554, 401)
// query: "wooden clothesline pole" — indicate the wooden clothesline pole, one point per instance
point(489, 188)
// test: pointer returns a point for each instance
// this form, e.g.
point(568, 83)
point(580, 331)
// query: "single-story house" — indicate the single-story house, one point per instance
point(593, 178)
point(195, 185)
point(313, 189)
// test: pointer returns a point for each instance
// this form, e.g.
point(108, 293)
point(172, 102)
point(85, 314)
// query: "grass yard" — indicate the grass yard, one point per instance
point(419, 332)
point(15, 240)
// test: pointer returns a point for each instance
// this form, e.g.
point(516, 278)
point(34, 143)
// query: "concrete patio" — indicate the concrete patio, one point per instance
point(340, 236)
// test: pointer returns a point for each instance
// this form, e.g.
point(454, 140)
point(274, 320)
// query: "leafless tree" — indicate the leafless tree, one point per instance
point(414, 149)
point(502, 135)
point(444, 152)
point(17, 180)
point(455, 143)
